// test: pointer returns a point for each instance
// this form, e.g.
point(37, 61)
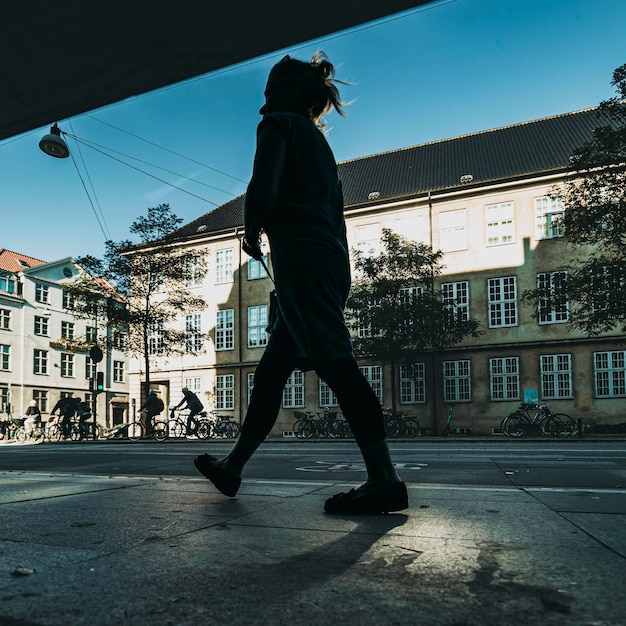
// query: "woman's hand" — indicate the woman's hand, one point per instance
point(252, 249)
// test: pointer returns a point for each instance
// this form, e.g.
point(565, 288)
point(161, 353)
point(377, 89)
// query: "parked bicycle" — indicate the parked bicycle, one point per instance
point(537, 418)
point(309, 425)
point(399, 424)
point(136, 431)
point(223, 426)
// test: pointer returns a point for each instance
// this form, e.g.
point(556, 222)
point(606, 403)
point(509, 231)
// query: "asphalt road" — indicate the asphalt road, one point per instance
point(557, 465)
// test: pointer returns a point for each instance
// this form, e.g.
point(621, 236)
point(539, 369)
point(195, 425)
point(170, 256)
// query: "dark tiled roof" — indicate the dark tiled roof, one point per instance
point(539, 147)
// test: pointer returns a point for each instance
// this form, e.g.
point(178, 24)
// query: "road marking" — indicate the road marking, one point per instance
point(347, 466)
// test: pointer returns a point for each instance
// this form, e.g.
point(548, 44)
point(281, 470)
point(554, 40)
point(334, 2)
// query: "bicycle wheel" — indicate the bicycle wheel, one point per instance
point(342, 428)
point(515, 425)
point(560, 425)
point(53, 433)
point(135, 431)
point(74, 432)
point(298, 428)
point(204, 429)
point(20, 434)
point(160, 431)
point(177, 428)
point(235, 429)
point(392, 426)
point(411, 427)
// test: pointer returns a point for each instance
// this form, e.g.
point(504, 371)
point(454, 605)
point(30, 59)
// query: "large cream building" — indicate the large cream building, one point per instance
point(44, 346)
point(486, 200)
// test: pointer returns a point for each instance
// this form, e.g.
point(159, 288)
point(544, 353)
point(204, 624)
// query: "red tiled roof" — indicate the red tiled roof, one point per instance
point(16, 262)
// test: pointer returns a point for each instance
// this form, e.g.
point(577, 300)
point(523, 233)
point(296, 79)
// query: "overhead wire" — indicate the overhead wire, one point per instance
point(94, 145)
point(107, 234)
point(152, 143)
point(161, 180)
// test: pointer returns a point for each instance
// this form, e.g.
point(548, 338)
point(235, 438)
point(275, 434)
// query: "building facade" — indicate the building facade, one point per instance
point(45, 347)
point(489, 201)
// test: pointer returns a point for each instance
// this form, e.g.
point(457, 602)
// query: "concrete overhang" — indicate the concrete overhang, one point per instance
point(60, 59)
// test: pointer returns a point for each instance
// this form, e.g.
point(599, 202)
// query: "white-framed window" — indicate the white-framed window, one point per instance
point(5, 319)
point(224, 266)
point(4, 397)
point(118, 371)
point(120, 340)
point(549, 214)
point(502, 301)
point(5, 357)
point(556, 376)
point(608, 291)
point(42, 293)
point(367, 239)
point(453, 230)
point(499, 223)
point(193, 331)
point(456, 298)
point(250, 385)
point(457, 384)
point(68, 299)
point(90, 368)
point(374, 376)
point(364, 327)
point(409, 295)
point(155, 338)
point(504, 378)
point(194, 270)
point(7, 283)
point(41, 326)
point(40, 396)
point(293, 393)
point(553, 305)
point(225, 330)
point(327, 397)
point(91, 335)
point(40, 361)
point(257, 323)
point(255, 268)
point(67, 330)
point(67, 365)
point(610, 374)
point(193, 383)
point(225, 392)
point(413, 383)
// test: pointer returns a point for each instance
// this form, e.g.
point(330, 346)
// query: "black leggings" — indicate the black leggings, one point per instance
point(357, 400)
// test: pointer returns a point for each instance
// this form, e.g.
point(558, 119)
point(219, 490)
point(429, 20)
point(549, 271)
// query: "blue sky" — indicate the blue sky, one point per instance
point(451, 68)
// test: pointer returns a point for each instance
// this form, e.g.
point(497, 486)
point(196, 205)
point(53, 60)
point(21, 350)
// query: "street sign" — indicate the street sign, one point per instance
point(96, 354)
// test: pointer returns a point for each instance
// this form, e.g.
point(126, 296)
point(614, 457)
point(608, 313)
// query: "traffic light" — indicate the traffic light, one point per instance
point(99, 381)
point(92, 384)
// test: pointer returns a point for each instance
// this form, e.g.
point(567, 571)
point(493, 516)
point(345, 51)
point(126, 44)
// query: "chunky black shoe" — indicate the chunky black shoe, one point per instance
point(365, 502)
point(226, 483)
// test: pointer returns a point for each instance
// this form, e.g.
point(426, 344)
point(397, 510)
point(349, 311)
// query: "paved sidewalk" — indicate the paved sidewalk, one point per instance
point(95, 550)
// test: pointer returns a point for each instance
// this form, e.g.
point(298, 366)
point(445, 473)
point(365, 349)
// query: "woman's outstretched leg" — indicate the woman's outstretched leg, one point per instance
point(269, 381)
point(384, 490)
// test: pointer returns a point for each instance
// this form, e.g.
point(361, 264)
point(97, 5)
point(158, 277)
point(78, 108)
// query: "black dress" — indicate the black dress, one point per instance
point(307, 234)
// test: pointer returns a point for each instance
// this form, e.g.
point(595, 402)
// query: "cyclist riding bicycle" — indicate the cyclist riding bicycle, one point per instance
point(195, 407)
point(152, 406)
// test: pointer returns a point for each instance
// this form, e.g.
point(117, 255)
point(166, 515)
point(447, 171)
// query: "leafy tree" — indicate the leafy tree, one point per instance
point(594, 200)
point(395, 310)
point(152, 277)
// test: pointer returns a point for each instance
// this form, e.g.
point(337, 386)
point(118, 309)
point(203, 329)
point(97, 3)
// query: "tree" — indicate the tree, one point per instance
point(394, 309)
point(594, 220)
point(152, 276)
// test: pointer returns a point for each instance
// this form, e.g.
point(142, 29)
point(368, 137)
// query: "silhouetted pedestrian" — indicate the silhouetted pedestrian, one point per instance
point(295, 198)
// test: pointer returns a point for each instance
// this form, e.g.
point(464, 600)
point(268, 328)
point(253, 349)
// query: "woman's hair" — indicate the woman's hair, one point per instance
point(315, 82)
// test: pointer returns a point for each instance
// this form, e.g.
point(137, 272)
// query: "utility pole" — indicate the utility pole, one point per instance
point(97, 385)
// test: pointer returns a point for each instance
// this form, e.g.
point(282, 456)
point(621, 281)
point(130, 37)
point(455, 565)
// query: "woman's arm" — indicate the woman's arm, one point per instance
point(263, 188)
